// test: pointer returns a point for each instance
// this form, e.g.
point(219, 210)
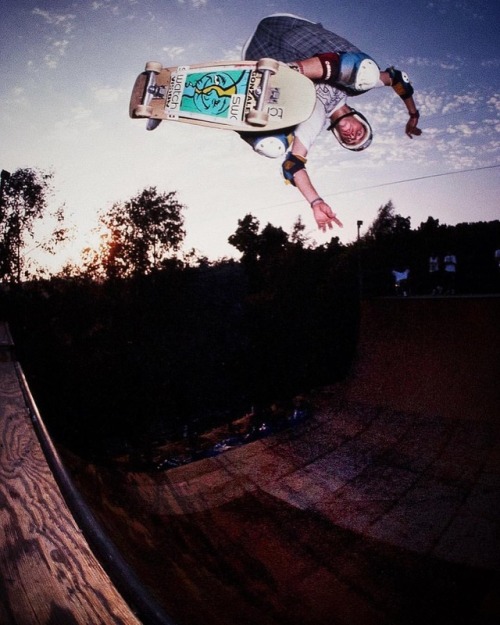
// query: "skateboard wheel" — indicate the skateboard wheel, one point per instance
point(143, 111)
point(268, 64)
point(153, 66)
point(257, 118)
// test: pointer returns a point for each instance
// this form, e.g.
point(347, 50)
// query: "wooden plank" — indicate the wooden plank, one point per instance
point(49, 573)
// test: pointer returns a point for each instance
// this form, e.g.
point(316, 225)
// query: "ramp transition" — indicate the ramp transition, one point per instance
point(383, 508)
point(51, 573)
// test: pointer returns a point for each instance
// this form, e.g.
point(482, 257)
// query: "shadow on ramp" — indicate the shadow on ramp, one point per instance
point(383, 508)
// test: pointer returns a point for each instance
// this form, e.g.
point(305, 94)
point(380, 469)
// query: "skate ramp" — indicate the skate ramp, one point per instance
point(48, 572)
point(436, 356)
point(382, 508)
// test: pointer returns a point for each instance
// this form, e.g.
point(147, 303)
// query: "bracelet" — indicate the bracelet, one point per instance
point(318, 199)
point(415, 115)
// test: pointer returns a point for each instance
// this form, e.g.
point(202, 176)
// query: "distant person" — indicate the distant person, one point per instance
point(401, 279)
point(450, 272)
point(435, 275)
point(339, 69)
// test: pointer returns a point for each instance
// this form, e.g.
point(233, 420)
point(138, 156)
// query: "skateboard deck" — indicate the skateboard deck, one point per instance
point(245, 96)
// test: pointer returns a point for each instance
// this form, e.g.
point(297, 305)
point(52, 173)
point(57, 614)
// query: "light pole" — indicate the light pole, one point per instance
point(359, 223)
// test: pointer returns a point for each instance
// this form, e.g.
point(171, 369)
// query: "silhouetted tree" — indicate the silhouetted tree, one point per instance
point(430, 227)
point(143, 233)
point(23, 203)
point(272, 242)
point(388, 223)
point(297, 236)
point(246, 238)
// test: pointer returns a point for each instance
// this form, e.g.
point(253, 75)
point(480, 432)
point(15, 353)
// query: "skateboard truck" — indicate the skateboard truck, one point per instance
point(267, 67)
point(157, 91)
point(151, 91)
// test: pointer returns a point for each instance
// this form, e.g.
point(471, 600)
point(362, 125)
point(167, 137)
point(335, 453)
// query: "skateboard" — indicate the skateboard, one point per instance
point(244, 96)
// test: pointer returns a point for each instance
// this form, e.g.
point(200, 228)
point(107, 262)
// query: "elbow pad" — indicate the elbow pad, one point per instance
point(400, 83)
point(291, 165)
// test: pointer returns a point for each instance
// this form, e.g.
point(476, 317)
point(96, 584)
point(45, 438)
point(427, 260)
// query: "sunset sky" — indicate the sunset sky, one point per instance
point(68, 68)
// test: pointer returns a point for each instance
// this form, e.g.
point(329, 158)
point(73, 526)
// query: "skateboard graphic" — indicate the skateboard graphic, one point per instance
point(245, 96)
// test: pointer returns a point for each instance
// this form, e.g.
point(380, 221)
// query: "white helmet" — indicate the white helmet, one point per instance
point(365, 141)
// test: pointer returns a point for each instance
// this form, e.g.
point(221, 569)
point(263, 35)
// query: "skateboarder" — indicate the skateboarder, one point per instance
point(339, 70)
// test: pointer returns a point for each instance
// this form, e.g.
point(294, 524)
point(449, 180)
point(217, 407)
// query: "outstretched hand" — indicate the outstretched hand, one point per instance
point(325, 217)
point(411, 128)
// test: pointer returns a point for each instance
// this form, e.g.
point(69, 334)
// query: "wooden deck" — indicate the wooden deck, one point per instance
point(382, 508)
point(48, 571)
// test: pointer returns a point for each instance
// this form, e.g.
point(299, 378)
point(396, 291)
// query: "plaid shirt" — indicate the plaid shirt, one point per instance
point(287, 38)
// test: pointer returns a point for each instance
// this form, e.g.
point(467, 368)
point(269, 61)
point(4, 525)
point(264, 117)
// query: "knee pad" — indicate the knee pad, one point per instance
point(357, 71)
point(272, 146)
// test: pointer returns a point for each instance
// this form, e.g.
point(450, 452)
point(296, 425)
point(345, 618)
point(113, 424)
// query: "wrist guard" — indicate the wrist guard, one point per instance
point(400, 83)
point(291, 165)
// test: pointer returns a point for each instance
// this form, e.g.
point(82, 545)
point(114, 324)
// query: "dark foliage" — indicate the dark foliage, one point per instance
point(130, 360)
